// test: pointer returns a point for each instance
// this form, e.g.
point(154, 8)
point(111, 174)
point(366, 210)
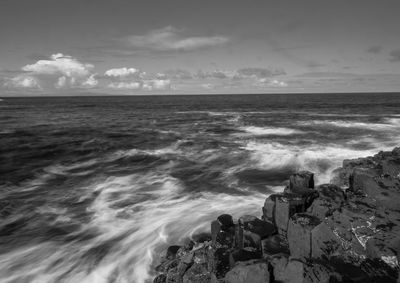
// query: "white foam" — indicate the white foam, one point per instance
point(264, 131)
point(155, 212)
point(311, 157)
point(350, 124)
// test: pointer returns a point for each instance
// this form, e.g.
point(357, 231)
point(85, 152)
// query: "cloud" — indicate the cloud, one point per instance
point(260, 72)
point(58, 71)
point(60, 64)
point(156, 84)
point(125, 85)
point(179, 74)
point(374, 49)
point(22, 81)
point(395, 55)
point(123, 72)
point(171, 39)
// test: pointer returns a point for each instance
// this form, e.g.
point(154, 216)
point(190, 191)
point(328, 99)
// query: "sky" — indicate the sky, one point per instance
point(75, 47)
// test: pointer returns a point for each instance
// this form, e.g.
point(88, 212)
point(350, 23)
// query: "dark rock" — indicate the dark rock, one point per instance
point(226, 221)
point(246, 272)
point(274, 245)
point(215, 228)
point(162, 278)
point(286, 205)
point(295, 271)
point(330, 198)
point(197, 273)
point(252, 224)
point(301, 181)
point(171, 252)
point(222, 262)
point(269, 207)
point(299, 234)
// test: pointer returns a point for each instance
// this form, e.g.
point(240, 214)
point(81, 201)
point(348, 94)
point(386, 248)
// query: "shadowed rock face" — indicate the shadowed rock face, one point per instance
point(346, 231)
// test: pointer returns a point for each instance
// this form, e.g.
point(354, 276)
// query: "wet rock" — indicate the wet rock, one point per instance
point(257, 226)
point(330, 198)
point(226, 221)
point(299, 234)
point(162, 278)
point(274, 245)
point(295, 271)
point(301, 181)
point(197, 273)
point(172, 251)
point(255, 272)
point(286, 205)
point(269, 208)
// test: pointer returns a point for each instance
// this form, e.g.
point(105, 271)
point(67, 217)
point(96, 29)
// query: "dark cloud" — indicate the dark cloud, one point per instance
point(375, 49)
point(395, 55)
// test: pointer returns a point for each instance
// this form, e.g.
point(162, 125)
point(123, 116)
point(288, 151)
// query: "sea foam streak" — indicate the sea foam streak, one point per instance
point(264, 131)
point(134, 216)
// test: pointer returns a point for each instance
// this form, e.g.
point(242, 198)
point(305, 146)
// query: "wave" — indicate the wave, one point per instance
point(351, 124)
point(320, 159)
point(133, 217)
point(265, 131)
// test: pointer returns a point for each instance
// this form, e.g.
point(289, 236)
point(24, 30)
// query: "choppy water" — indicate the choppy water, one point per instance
point(92, 188)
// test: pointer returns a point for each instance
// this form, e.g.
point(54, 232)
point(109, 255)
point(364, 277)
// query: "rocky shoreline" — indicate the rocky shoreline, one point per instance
point(344, 231)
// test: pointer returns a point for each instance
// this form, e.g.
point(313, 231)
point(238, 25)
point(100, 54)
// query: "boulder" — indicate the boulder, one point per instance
point(257, 226)
point(295, 271)
point(286, 205)
point(246, 272)
point(330, 198)
point(301, 181)
point(299, 234)
point(274, 245)
point(197, 273)
point(162, 278)
point(226, 221)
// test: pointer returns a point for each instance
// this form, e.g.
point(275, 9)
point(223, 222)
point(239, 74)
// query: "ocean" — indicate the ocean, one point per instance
point(92, 189)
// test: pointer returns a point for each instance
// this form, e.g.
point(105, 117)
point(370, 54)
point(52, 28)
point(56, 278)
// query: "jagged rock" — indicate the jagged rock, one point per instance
point(197, 273)
point(300, 181)
point(226, 221)
point(330, 198)
point(254, 225)
point(295, 271)
point(222, 262)
point(299, 234)
point(246, 272)
point(274, 245)
point(172, 251)
point(162, 278)
point(286, 205)
point(324, 242)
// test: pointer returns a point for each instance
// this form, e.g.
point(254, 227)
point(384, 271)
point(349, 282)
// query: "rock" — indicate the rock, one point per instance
point(301, 181)
point(269, 208)
point(330, 198)
point(222, 262)
point(197, 273)
point(162, 278)
point(246, 272)
point(286, 205)
point(215, 228)
point(295, 271)
point(172, 251)
point(274, 245)
point(254, 225)
point(324, 242)
point(299, 234)
point(226, 221)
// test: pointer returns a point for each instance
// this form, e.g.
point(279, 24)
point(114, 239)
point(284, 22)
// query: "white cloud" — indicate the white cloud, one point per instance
point(91, 81)
point(171, 39)
point(123, 72)
point(60, 64)
point(22, 81)
point(125, 85)
point(156, 84)
point(59, 71)
point(276, 83)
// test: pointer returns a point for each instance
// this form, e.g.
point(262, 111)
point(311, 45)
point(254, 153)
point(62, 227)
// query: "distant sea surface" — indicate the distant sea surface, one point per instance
point(93, 188)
